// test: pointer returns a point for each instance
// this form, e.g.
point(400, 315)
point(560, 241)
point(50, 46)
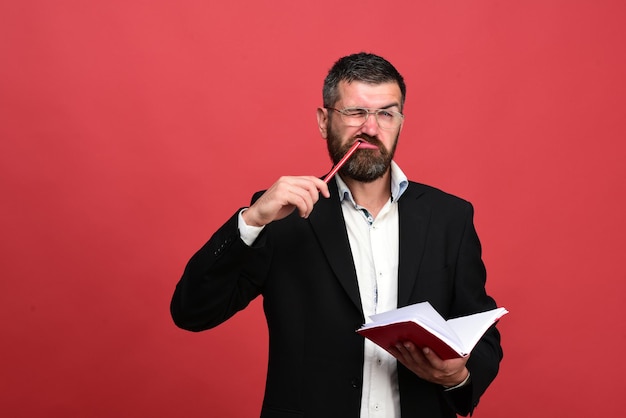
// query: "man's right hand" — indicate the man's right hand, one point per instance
point(287, 194)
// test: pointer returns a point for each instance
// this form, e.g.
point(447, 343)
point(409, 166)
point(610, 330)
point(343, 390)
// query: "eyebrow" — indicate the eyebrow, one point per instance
point(371, 108)
point(391, 105)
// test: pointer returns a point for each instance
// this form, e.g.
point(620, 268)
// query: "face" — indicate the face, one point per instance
point(365, 165)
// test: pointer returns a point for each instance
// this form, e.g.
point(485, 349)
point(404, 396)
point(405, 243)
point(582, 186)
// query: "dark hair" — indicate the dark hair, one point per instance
point(363, 67)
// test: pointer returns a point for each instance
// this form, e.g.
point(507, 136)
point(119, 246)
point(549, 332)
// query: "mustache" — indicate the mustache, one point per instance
point(370, 139)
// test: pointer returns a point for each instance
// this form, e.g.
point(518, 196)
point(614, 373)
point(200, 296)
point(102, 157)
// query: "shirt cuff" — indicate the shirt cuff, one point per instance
point(460, 385)
point(247, 233)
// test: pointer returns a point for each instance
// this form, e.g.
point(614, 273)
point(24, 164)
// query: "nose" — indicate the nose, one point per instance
point(370, 127)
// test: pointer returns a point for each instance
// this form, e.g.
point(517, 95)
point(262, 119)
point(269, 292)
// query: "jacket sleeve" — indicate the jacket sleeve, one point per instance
point(469, 297)
point(222, 278)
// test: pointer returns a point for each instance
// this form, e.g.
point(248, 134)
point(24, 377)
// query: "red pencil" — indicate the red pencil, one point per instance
point(347, 155)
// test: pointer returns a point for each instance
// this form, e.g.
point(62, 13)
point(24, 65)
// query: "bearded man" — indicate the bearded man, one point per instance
point(326, 256)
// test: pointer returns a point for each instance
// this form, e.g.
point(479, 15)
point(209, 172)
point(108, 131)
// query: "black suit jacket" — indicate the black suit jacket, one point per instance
point(305, 272)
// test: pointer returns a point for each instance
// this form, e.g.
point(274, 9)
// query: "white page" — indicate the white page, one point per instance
point(422, 311)
point(424, 314)
point(470, 328)
point(462, 334)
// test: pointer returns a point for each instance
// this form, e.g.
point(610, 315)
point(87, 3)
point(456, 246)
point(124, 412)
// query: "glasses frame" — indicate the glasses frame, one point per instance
point(346, 118)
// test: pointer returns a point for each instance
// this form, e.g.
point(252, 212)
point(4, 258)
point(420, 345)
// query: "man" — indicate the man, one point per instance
point(374, 242)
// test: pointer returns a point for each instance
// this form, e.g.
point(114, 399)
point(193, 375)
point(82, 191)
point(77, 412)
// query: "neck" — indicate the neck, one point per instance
point(373, 195)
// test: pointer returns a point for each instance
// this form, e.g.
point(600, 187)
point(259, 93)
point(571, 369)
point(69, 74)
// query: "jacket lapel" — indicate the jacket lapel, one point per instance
point(329, 226)
point(413, 227)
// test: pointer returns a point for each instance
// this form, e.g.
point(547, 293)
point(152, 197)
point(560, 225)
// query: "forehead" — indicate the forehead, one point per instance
point(360, 94)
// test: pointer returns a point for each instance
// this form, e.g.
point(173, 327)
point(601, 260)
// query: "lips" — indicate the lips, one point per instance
point(367, 145)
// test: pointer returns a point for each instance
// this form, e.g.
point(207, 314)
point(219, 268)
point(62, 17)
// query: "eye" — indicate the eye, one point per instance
point(355, 112)
point(385, 114)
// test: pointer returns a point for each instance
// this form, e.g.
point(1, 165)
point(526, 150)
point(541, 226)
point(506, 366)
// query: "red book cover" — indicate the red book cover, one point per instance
point(387, 336)
point(421, 324)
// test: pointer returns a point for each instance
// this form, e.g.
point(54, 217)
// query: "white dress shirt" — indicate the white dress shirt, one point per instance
point(375, 249)
point(374, 244)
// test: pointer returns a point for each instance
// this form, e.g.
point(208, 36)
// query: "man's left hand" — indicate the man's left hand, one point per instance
point(427, 365)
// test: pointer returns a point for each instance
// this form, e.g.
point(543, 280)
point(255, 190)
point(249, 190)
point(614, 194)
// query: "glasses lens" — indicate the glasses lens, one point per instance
point(388, 119)
point(354, 116)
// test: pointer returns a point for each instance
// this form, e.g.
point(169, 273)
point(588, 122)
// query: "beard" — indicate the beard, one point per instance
point(365, 165)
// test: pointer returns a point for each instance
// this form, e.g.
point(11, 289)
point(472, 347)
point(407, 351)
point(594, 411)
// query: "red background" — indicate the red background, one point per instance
point(130, 130)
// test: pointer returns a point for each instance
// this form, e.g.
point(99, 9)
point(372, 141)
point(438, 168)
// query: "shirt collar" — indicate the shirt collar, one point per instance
point(399, 184)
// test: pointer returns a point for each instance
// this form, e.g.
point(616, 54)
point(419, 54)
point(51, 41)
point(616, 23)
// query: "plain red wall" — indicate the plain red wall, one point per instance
point(130, 130)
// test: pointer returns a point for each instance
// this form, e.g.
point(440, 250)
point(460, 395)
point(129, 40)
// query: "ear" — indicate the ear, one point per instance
point(322, 121)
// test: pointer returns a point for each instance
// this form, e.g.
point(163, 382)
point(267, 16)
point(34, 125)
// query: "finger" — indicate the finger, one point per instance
point(433, 358)
point(409, 354)
point(308, 189)
point(412, 351)
point(289, 193)
point(315, 187)
point(411, 358)
point(306, 194)
point(279, 200)
point(322, 187)
point(304, 203)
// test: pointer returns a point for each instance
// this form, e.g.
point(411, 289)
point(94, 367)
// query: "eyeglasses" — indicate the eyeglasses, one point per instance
point(357, 116)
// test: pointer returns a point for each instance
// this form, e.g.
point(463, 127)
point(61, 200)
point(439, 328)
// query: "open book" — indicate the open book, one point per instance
point(422, 324)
